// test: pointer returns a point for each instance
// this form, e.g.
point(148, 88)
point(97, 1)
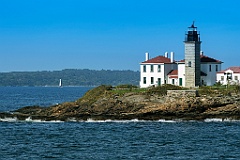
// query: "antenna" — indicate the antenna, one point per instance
point(193, 24)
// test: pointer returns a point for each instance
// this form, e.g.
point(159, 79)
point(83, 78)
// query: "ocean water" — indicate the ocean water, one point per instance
point(12, 98)
point(96, 140)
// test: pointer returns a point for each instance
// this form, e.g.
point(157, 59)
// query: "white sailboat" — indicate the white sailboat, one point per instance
point(60, 82)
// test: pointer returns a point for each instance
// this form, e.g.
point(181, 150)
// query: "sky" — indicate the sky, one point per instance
point(49, 35)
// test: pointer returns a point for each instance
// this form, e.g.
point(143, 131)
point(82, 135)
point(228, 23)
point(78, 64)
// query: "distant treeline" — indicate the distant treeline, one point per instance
point(70, 77)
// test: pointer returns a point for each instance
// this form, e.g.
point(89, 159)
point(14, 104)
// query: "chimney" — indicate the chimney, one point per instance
point(147, 56)
point(172, 56)
point(166, 54)
point(201, 53)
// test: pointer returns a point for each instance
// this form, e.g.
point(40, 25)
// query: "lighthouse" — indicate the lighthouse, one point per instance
point(192, 57)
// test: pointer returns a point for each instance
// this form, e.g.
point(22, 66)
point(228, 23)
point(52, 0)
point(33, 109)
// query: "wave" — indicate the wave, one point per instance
point(116, 121)
point(130, 121)
point(29, 119)
point(220, 120)
point(9, 119)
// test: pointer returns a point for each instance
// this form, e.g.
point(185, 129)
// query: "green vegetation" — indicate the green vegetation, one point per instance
point(105, 91)
point(159, 90)
point(126, 88)
point(93, 95)
point(70, 77)
point(162, 90)
point(219, 89)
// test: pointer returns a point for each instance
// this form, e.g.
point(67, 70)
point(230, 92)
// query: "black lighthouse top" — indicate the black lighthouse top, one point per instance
point(192, 34)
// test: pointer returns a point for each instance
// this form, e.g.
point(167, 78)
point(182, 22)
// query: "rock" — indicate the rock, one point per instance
point(101, 103)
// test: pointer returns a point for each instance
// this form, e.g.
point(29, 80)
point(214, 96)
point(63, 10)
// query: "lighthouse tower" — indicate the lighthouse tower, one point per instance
point(192, 57)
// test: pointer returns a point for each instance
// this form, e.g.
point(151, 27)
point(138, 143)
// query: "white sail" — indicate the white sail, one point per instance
point(60, 83)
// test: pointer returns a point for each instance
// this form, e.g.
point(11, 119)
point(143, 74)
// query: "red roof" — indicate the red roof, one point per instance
point(208, 59)
point(204, 58)
point(182, 61)
point(234, 69)
point(173, 74)
point(158, 59)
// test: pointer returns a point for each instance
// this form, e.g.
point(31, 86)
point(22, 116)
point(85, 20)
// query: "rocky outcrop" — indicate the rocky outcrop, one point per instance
point(103, 103)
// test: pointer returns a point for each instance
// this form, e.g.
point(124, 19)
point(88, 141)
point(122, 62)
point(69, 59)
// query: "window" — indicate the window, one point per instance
point(216, 68)
point(159, 68)
point(222, 78)
point(144, 68)
point(229, 76)
point(152, 80)
point(189, 64)
point(152, 68)
point(144, 80)
point(236, 77)
point(173, 81)
point(210, 68)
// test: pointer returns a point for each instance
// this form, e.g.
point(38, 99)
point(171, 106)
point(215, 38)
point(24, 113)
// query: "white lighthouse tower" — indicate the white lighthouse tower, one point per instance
point(192, 57)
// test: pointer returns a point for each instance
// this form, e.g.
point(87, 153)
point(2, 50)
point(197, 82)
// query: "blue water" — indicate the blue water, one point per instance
point(96, 140)
point(12, 98)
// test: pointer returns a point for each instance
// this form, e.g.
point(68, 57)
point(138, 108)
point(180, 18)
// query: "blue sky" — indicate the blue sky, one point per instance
point(37, 35)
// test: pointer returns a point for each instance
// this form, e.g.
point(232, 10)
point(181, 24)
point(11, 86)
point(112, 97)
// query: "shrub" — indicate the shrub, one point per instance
point(162, 90)
point(92, 95)
point(129, 86)
point(218, 89)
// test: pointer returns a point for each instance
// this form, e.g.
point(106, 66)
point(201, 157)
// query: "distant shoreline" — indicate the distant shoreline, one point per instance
point(70, 77)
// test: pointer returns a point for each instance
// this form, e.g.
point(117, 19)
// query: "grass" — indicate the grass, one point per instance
point(127, 88)
point(93, 95)
point(219, 89)
point(160, 90)
point(107, 91)
point(124, 90)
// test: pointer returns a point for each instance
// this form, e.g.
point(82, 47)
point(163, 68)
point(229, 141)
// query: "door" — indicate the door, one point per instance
point(159, 81)
point(180, 81)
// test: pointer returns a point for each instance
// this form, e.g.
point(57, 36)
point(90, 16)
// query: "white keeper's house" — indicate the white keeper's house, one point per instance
point(230, 75)
point(195, 70)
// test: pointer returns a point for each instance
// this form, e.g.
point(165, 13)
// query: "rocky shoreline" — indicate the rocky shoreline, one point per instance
point(102, 103)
